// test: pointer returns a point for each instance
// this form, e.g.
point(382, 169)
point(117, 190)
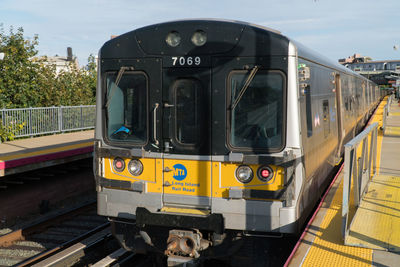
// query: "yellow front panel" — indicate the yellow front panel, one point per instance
point(187, 177)
point(148, 174)
point(192, 177)
point(224, 179)
point(152, 173)
point(157, 186)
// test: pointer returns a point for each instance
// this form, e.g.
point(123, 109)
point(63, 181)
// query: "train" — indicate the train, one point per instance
point(208, 130)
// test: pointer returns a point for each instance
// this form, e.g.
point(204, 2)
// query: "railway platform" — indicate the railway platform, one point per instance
point(373, 234)
point(34, 153)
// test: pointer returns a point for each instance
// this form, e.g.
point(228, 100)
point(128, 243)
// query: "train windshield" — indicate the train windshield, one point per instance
point(256, 109)
point(126, 107)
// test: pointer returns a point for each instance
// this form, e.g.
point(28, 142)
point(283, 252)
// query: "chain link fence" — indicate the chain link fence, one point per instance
point(23, 122)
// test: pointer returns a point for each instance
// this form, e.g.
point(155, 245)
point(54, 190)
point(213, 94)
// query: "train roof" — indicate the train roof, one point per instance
point(224, 37)
point(309, 54)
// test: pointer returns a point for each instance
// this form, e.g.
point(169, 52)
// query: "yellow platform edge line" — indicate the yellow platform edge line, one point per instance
point(46, 151)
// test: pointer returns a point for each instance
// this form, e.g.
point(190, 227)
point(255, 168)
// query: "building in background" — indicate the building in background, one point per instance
point(356, 58)
point(62, 63)
point(382, 72)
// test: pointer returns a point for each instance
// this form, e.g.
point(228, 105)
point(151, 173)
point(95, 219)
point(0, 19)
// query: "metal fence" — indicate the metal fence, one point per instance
point(386, 111)
point(37, 121)
point(359, 169)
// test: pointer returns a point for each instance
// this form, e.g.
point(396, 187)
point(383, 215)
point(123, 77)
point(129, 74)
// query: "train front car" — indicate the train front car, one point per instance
point(197, 135)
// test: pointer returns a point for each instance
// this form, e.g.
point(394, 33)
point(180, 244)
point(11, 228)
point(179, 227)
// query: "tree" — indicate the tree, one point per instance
point(26, 81)
point(91, 69)
point(18, 74)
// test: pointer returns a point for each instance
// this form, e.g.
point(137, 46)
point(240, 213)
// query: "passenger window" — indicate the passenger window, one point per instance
point(326, 118)
point(309, 111)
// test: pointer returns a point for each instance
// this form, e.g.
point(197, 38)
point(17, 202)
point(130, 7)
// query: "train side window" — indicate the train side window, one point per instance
point(309, 111)
point(326, 118)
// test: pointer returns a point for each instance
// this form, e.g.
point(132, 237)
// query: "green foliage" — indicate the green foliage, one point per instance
point(91, 69)
point(8, 132)
point(29, 81)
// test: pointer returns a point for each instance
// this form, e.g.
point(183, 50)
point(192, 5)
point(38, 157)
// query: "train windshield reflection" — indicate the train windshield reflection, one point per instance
point(256, 114)
point(126, 107)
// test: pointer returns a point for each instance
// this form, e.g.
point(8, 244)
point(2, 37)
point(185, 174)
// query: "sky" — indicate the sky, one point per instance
point(335, 28)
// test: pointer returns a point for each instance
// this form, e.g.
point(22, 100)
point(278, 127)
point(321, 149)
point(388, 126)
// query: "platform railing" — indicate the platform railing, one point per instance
point(389, 103)
point(22, 122)
point(386, 111)
point(384, 120)
point(359, 169)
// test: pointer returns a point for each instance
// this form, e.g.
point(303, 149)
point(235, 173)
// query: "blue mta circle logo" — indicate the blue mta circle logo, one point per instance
point(180, 172)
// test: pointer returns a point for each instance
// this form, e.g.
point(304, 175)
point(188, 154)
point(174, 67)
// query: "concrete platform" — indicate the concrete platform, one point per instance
point(34, 153)
point(375, 231)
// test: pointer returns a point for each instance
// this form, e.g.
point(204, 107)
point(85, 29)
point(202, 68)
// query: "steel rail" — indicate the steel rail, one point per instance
point(110, 259)
point(39, 225)
point(69, 255)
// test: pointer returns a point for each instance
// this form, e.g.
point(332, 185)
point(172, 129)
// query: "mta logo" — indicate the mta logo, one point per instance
point(180, 172)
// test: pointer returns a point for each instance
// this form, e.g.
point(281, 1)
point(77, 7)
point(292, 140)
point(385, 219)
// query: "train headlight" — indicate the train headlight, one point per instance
point(135, 167)
point(199, 38)
point(119, 164)
point(173, 39)
point(244, 174)
point(265, 173)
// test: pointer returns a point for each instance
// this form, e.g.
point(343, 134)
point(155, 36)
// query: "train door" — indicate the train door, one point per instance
point(341, 133)
point(186, 137)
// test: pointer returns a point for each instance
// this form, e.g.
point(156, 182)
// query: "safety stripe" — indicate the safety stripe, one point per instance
point(45, 155)
point(44, 151)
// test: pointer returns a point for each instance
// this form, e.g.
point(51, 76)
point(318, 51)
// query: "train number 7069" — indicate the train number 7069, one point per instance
point(186, 61)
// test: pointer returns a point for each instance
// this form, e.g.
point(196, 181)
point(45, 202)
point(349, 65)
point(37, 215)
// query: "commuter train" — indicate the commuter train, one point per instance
point(209, 129)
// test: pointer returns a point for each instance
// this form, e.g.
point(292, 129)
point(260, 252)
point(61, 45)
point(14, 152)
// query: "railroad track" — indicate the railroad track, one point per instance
point(75, 255)
point(46, 237)
point(91, 251)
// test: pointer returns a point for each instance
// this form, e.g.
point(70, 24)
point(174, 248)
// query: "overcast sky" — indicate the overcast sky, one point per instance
point(335, 28)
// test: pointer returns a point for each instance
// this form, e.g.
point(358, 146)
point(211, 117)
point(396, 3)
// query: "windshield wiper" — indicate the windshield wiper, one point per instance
point(245, 86)
point(114, 86)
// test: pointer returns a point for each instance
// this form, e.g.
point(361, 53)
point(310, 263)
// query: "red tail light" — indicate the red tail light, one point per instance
point(119, 164)
point(265, 173)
